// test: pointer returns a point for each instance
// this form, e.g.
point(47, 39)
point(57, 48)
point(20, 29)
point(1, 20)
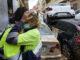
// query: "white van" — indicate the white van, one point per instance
point(61, 8)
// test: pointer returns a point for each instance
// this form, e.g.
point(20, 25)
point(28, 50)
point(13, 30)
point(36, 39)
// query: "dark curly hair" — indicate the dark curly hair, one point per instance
point(18, 14)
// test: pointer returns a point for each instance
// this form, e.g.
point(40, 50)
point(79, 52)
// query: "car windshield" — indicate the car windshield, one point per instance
point(62, 14)
point(61, 4)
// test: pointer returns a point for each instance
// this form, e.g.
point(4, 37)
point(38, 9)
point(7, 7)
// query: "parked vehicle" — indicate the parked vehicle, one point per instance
point(60, 7)
point(68, 36)
point(77, 11)
point(77, 14)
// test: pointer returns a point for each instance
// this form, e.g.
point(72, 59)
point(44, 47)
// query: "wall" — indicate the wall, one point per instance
point(78, 1)
point(3, 14)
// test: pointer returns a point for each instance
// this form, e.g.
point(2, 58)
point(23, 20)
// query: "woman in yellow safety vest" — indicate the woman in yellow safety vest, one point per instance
point(3, 45)
point(29, 40)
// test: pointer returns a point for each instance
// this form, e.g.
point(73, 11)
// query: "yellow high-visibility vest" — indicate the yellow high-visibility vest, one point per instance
point(9, 50)
point(30, 38)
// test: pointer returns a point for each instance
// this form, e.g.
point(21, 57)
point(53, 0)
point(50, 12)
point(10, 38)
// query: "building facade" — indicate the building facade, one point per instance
point(3, 15)
point(41, 5)
point(75, 4)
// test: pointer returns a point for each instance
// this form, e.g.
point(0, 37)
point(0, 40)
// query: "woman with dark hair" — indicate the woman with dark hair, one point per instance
point(18, 15)
point(29, 39)
point(17, 19)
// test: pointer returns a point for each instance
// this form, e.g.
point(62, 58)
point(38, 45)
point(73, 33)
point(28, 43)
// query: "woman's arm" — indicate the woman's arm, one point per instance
point(12, 37)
